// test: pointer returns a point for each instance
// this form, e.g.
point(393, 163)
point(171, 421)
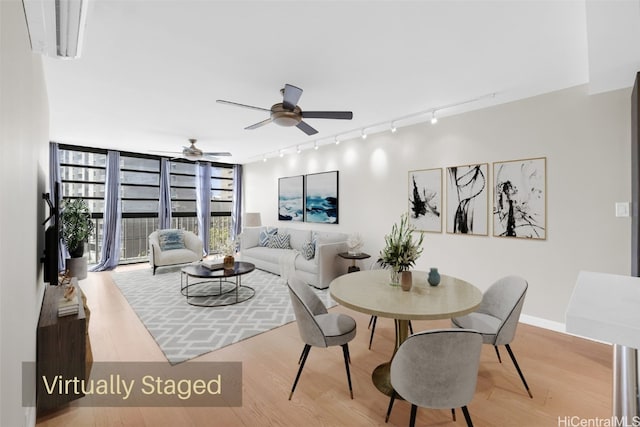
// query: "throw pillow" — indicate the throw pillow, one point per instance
point(171, 239)
point(265, 235)
point(280, 241)
point(308, 250)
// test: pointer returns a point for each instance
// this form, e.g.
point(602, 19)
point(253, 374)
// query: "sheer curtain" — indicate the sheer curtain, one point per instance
point(55, 176)
point(164, 209)
point(203, 203)
point(110, 254)
point(236, 210)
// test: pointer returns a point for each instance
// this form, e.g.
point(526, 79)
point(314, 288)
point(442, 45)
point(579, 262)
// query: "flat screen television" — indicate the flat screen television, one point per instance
point(52, 237)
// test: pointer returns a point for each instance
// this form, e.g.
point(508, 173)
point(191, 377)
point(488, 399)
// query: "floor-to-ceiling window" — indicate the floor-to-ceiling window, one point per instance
point(83, 176)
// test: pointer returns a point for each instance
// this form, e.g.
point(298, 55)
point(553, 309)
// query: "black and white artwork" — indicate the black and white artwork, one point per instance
point(291, 198)
point(321, 197)
point(425, 200)
point(467, 199)
point(519, 198)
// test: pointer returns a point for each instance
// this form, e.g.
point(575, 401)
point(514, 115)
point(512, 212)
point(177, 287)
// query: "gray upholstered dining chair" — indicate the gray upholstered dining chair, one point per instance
point(319, 328)
point(437, 369)
point(497, 317)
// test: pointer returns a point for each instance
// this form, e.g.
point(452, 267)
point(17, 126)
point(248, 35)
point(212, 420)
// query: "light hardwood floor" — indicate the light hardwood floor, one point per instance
point(568, 377)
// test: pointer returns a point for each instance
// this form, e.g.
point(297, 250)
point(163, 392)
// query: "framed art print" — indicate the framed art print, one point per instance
point(425, 200)
point(321, 197)
point(467, 199)
point(519, 198)
point(291, 198)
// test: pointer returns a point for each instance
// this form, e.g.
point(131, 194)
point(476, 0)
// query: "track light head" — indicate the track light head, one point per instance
point(315, 145)
point(434, 119)
point(364, 134)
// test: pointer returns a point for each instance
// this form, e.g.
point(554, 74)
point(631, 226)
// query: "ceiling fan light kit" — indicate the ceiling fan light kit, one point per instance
point(287, 113)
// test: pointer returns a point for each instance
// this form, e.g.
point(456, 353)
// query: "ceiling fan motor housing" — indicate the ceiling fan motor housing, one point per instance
point(285, 117)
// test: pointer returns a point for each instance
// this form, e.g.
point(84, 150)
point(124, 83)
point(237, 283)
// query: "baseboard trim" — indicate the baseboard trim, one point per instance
point(552, 326)
point(543, 323)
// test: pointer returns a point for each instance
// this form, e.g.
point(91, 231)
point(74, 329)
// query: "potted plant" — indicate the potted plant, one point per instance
point(401, 251)
point(77, 226)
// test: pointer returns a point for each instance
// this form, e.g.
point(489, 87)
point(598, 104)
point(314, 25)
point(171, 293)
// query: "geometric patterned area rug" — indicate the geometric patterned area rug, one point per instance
point(183, 331)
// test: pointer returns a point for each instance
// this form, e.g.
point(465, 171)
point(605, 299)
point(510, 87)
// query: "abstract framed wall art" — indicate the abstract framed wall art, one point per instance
point(520, 198)
point(291, 198)
point(467, 199)
point(321, 197)
point(425, 200)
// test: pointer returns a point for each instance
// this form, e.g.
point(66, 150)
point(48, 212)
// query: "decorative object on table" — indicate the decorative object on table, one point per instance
point(290, 198)
point(77, 225)
point(355, 243)
point(433, 277)
point(213, 264)
point(321, 197)
point(519, 198)
point(64, 278)
point(401, 251)
point(425, 200)
point(406, 280)
point(467, 199)
point(69, 292)
point(229, 251)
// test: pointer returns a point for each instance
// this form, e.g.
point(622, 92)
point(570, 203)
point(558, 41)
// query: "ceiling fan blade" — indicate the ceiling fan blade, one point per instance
point(168, 152)
point(291, 96)
point(217, 154)
point(259, 124)
point(222, 101)
point(304, 127)
point(341, 115)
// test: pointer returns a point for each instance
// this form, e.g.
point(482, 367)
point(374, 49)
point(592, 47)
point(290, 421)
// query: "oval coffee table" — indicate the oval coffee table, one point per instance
point(219, 288)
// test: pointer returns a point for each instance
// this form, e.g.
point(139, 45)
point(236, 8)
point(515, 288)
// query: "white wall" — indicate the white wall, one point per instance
point(586, 140)
point(24, 133)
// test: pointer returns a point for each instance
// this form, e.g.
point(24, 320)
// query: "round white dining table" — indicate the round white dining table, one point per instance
point(371, 292)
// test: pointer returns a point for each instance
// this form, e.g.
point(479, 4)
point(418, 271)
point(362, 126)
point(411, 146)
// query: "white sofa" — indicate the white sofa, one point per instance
point(318, 271)
point(191, 252)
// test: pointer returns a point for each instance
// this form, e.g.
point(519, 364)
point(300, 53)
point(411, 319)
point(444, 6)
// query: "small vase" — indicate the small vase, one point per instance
point(406, 281)
point(434, 277)
point(228, 261)
point(395, 277)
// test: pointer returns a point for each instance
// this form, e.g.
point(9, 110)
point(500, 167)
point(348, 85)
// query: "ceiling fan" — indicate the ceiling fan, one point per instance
point(288, 113)
point(194, 153)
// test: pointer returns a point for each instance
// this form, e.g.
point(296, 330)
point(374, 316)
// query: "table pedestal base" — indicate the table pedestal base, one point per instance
point(381, 375)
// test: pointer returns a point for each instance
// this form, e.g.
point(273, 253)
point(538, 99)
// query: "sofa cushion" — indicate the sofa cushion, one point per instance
point(265, 234)
point(171, 239)
point(299, 238)
point(279, 241)
point(250, 237)
point(266, 254)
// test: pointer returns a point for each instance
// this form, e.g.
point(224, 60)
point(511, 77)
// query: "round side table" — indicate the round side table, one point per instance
point(353, 257)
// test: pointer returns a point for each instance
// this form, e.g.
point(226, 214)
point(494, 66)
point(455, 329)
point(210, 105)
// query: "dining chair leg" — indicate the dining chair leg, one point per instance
point(453, 414)
point(373, 329)
point(498, 353)
point(393, 399)
point(515, 362)
point(370, 321)
point(410, 327)
point(412, 420)
point(467, 417)
point(345, 352)
point(305, 353)
point(301, 355)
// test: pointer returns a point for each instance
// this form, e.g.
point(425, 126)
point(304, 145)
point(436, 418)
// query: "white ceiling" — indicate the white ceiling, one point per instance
point(151, 71)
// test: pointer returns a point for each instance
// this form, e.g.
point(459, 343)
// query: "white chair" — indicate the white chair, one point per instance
point(192, 251)
point(319, 328)
point(497, 317)
point(437, 369)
